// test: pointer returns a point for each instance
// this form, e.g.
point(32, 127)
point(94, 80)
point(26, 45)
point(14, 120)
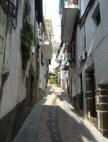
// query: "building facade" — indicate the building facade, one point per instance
point(45, 56)
point(63, 64)
point(21, 25)
point(84, 28)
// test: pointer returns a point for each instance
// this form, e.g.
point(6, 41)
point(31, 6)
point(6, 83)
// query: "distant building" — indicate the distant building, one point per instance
point(49, 29)
point(45, 55)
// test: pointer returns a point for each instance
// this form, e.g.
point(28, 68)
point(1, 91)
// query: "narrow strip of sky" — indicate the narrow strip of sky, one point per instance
point(51, 8)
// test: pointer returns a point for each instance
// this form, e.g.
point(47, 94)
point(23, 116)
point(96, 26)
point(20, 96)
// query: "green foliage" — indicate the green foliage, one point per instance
point(26, 43)
point(52, 80)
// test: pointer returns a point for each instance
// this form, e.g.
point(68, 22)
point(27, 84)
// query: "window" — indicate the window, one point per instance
point(96, 15)
point(42, 60)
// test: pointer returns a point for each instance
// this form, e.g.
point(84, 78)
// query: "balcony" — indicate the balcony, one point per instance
point(69, 15)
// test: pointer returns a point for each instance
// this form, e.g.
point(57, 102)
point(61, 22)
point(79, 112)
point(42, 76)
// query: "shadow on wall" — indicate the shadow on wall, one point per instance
point(65, 98)
point(12, 122)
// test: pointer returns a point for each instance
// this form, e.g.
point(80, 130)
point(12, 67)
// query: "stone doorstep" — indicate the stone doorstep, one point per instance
point(84, 139)
point(103, 120)
point(103, 86)
point(104, 132)
point(93, 121)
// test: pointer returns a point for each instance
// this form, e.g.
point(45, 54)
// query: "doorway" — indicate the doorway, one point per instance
point(81, 91)
point(90, 92)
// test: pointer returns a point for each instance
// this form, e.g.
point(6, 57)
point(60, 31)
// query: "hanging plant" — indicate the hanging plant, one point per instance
point(26, 43)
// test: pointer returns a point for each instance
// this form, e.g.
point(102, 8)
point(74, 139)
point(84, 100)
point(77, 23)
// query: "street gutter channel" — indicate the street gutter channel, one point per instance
point(53, 125)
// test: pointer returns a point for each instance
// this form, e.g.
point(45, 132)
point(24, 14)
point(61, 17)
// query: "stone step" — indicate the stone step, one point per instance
point(103, 86)
point(101, 92)
point(102, 106)
point(102, 99)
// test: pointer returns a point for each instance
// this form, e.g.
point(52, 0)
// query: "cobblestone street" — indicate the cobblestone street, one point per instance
point(55, 120)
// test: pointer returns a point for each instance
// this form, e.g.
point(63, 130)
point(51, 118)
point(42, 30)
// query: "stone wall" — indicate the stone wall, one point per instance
point(16, 94)
point(102, 108)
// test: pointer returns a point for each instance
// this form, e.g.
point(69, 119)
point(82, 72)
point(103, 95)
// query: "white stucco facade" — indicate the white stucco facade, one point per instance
point(88, 75)
point(14, 89)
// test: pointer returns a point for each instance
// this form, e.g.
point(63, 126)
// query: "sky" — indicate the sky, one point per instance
point(51, 9)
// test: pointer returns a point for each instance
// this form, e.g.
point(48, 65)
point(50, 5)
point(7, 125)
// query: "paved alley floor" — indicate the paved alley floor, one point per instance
point(54, 120)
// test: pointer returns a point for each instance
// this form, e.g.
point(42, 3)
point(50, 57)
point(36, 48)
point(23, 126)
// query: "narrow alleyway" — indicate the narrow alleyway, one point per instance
point(45, 44)
point(55, 120)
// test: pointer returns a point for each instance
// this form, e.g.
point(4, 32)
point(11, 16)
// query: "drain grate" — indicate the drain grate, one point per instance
point(53, 125)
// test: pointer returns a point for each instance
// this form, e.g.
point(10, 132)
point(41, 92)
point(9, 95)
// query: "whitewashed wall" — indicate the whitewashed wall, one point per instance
point(97, 41)
point(42, 74)
point(96, 44)
point(14, 90)
point(83, 5)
